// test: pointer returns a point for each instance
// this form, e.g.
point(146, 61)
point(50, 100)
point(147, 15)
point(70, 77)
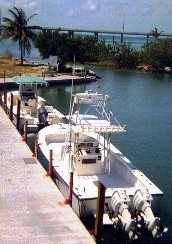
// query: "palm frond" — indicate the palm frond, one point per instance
point(15, 16)
point(31, 17)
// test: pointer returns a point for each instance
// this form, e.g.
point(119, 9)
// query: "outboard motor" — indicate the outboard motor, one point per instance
point(142, 202)
point(42, 116)
point(120, 204)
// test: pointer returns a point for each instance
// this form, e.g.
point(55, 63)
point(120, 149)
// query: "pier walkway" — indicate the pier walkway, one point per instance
point(30, 210)
point(56, 80)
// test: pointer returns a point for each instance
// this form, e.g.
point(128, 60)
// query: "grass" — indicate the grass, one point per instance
point(12, 67)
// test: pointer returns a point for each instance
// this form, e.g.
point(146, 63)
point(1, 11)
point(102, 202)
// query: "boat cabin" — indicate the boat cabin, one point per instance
point(28, 92)
point(87, 159)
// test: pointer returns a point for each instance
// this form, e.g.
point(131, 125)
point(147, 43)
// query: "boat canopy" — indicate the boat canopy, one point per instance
point(29, 80)
point(98, 129)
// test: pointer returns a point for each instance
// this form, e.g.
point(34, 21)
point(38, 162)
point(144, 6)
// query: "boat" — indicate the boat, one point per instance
point(88, 74)
point(83, 157)
point(34, 109)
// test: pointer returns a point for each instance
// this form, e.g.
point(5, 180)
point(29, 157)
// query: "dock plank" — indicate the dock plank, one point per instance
point(30, 210)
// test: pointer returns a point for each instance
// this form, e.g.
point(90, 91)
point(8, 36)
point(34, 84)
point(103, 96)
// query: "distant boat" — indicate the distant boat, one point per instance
point(79, 70)
point(82, 150)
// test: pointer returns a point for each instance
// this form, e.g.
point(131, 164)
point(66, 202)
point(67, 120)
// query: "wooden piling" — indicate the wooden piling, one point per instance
point(99, 214)
point(35, 154)
point(18, 115)
point(5, 98)
point(0, 99)
point(11, 107)
point(25, 131)
point(50, 171)
point(70, 188)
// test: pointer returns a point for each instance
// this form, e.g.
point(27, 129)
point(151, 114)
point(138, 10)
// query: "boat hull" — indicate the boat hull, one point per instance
point(87, 207)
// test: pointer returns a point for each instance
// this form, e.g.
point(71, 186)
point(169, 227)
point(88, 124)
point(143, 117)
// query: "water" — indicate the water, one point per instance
point(142, 101)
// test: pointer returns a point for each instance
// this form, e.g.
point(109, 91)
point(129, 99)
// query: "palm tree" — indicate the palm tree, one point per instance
point(156, 34)
point(18, 30)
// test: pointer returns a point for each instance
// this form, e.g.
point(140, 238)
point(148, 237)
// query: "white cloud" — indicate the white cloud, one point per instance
point(25, 4)
point(101, 14)
point(91, 5)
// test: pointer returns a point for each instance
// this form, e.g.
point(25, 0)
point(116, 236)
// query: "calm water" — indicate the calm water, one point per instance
point(143, 103)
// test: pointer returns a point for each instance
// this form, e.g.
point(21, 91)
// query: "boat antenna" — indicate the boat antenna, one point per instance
point(71, 94)
point(70, 129)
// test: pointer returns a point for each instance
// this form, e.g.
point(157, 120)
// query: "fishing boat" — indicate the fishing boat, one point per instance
point(88, 74)
point(83, 157)
point(33, 108)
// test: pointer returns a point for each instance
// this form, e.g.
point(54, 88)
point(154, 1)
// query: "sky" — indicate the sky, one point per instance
point(109, 15)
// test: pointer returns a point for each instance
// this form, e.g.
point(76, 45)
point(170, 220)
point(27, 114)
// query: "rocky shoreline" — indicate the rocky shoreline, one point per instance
point(150, 69)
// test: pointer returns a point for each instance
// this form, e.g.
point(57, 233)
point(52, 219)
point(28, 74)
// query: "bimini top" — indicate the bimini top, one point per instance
point(29, 80)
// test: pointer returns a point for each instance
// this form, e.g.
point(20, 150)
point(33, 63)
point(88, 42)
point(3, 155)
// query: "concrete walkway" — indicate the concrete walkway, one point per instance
point(30, 211)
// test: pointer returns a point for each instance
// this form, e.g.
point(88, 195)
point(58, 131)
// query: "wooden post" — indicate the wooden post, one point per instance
point(99, 214)
point(35, 154)
point(0, 99)
point(25, 131)
point(70, 188)
point(5, 98)
point(18, 115)
point(50, 171)
point(11, 108)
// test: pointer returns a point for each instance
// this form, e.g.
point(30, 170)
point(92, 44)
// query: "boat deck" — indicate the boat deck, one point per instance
point(30, 210)
point(123, 175)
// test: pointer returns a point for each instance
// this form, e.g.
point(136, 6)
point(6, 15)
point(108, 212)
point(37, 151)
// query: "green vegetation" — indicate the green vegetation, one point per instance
point(85, 49)
point(18, 30)
point(157, 55)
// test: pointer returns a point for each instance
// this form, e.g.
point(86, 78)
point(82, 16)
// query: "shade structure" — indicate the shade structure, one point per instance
point(29, 80)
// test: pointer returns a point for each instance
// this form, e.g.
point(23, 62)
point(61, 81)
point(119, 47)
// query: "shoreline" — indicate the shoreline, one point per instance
point(10, 67)
point(141, 68)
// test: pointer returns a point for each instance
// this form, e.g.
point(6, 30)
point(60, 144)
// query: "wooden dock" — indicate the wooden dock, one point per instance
point(30, 209)
point(56, 80)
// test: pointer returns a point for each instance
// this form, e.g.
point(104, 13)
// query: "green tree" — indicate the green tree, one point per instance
point(158, 54)
point(105, 52)
point(125, 55)
point(19, 31)
point(85, 49)
point(53, 43)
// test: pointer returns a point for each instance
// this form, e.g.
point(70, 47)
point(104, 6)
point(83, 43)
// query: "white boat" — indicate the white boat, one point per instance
point(88, 74)
point(82, 149)
point(33, 108)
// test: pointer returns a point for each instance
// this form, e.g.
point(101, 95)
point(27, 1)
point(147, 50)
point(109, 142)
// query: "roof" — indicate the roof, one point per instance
point(30, 80)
